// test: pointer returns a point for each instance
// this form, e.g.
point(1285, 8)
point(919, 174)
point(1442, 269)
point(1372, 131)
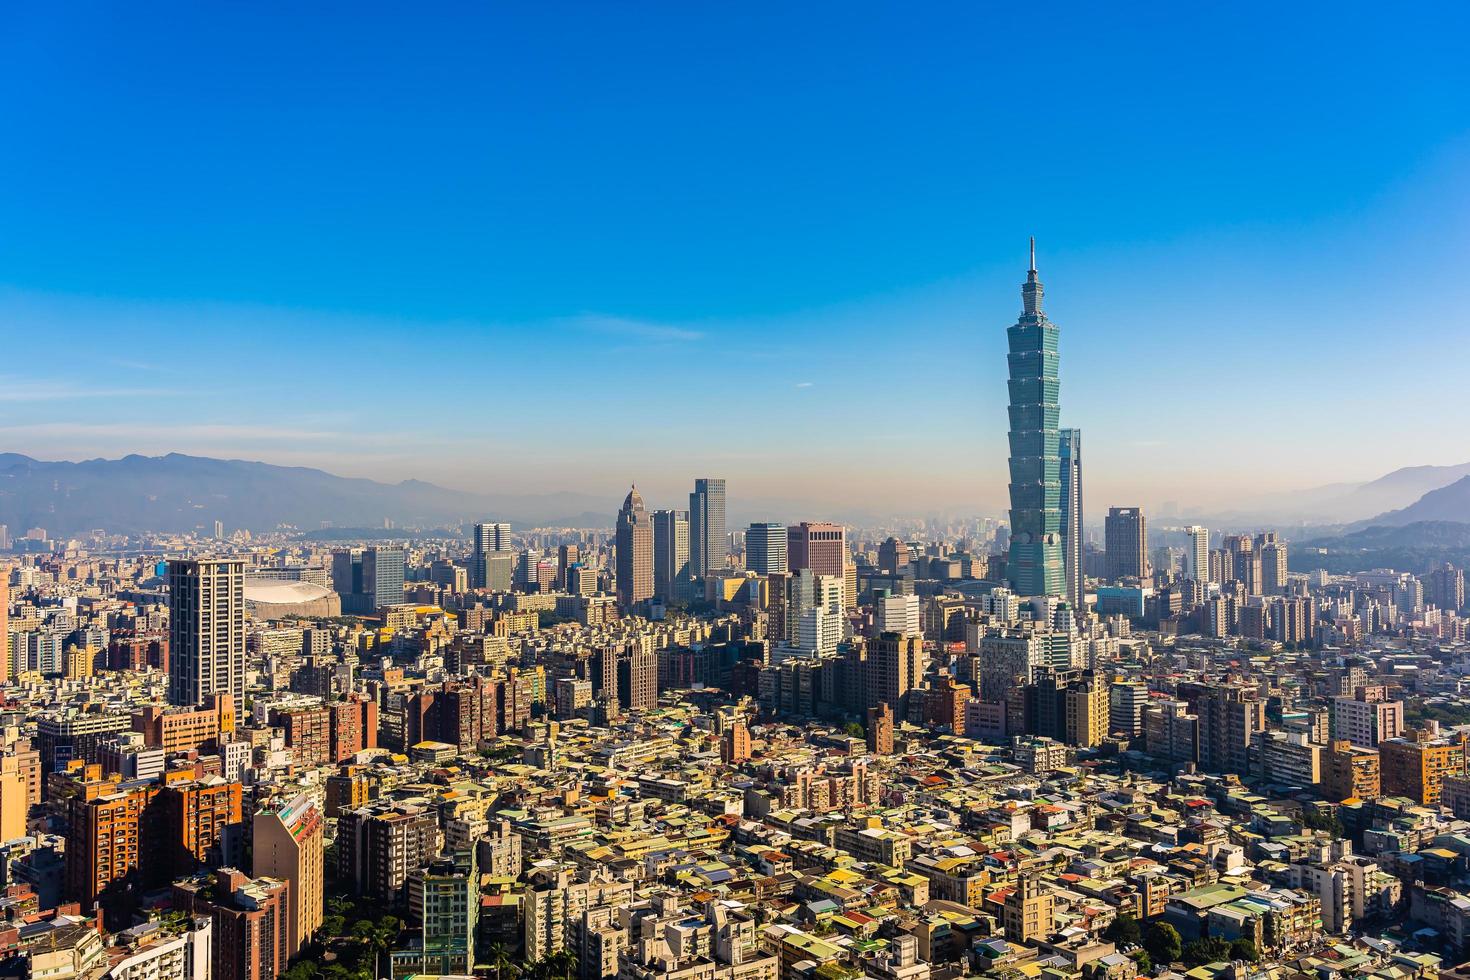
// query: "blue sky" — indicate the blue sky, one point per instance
point(566, 246)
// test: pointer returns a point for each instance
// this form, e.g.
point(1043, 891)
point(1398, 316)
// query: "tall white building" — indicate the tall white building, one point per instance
point(900, 614)
point(1197, 558)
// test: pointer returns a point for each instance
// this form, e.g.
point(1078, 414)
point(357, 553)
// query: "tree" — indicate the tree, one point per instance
point(1140, 956)
point(380, 936)
point(501, 962)
point(1124, 931)
point(1210, 949)
point(854, 729)
point(1244, 949)
point(1163, 943)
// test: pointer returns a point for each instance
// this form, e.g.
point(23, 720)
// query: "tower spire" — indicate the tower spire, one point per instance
point(1031, 289)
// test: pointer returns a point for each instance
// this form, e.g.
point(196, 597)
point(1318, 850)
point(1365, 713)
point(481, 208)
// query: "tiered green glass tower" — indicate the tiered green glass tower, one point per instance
point(1034, 566)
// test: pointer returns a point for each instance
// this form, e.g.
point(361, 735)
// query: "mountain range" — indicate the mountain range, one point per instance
point(141, 494)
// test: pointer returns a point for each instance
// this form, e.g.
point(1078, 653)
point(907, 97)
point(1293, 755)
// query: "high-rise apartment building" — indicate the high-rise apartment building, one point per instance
point(708, 550)
point(1070, 450)
point(206, 630)
point(288, 846)
point(1034, 565)
point(488, 540)
point(765, 549)
point(4, 624)
point(1125, 543)
point(1444, 588)
point(1416, 764)
point(899, 614)
point(1244, 562)
point(895, 667)
point(819, 547)
point(1197, 556)
point(671, 579)
point(251, 922)
point(635, 552)
point(1273, 562)
point(376, 849)
point(1228, 718)
point(1367, 718)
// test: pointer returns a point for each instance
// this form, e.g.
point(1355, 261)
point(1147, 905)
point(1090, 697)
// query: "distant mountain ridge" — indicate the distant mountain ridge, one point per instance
point(1447, 503)
point(141, 494)
point(1350, 502)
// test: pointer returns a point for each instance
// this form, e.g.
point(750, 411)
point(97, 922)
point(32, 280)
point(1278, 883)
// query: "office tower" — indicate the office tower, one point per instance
point(635, 552)
point(899, 614)
point(1197, 556)
point(1125, 540)
point(765, 549)
point(382, 578)
point(637, 677)
point(568, 555)
point(1034, 566)
point(1126, 703)
point(288, 847)
point(671, 554)
point(819, 547)
point(1070, 450)
point(219, 530)
point(880, 730)
point(206, 630)
point(707, 547)
point(1273, 563)
point(893, 556)
point(486, 541)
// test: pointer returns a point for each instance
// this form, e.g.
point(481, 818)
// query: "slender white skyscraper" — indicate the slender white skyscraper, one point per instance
point(708, 550)
point(1197, 561)
point(670, 554)
point(1070, 448)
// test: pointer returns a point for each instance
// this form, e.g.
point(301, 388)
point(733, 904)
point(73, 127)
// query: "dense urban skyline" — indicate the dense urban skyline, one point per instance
point(793, 231)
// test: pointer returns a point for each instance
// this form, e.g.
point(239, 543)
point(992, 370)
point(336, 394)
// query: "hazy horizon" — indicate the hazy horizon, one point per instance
point(539, 254)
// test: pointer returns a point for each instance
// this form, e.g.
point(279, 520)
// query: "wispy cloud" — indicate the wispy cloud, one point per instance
point(626, 327)
point(14, 389)
point(805, 384)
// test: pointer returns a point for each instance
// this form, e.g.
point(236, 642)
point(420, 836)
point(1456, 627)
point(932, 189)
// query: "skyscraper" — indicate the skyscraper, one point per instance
point(635, 551)
point(765, 549)
point(707, 548)
point(1070, 448)
point(670, 554)
point(1197, 559)
point(820, 547)
point(382, 577)
point(1034, 565)
point(1125, 538)
point(206, 630)
point(486, 541)
point(288, 847)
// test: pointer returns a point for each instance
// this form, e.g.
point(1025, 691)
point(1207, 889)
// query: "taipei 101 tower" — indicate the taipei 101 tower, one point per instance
point(1034, 566)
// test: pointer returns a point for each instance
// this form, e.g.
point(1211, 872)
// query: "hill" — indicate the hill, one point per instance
point(141, 494)
point(1449, 503)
